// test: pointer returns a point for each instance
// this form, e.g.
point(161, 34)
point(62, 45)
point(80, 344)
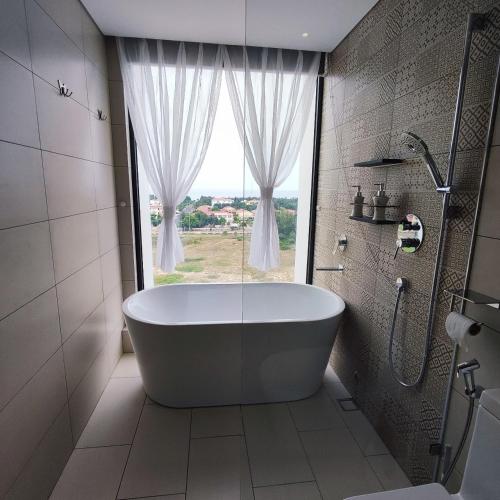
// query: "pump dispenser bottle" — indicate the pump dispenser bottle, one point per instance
point(357, 205)
point(379, 202)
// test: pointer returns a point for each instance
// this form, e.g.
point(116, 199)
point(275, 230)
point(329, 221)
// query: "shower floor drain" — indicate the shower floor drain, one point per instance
point(347, 404)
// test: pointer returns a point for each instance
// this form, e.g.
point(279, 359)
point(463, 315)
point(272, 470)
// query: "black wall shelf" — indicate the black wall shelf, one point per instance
point(380, 162)
point(369, 220)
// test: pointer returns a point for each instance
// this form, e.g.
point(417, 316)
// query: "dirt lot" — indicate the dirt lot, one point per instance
point(221, 258)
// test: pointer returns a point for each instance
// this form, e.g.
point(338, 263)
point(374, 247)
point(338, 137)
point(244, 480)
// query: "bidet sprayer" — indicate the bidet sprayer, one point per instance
point(467, 369)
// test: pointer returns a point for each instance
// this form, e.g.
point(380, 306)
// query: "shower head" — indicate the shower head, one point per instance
point(416, 145)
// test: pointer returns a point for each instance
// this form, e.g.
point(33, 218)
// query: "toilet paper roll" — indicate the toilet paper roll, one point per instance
point(458, 326)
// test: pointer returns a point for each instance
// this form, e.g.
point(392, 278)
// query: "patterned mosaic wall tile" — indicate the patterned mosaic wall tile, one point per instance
point(398, 71)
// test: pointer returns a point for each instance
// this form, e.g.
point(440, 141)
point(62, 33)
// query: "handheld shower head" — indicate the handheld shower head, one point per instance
point(416, 145)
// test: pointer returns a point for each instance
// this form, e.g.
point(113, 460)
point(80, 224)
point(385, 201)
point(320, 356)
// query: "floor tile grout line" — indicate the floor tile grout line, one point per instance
point(365, 457)
point(246, 449)
point(130, 449)
point(304, 450)
point(216, 436)
point(188, 450)
point(311, 481)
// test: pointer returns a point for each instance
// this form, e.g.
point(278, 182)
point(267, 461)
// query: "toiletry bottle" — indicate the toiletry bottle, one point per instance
point(357, 206)
point(379, 202)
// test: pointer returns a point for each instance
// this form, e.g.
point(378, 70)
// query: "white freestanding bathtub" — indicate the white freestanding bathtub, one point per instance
point(222, 344)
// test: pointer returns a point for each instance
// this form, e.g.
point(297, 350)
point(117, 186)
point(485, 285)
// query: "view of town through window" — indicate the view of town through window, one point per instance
point(215, 220)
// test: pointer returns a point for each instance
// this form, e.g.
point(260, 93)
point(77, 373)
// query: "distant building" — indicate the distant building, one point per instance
point(228, 216)
point(245, 214)
point(222, 200)
point(206, 209)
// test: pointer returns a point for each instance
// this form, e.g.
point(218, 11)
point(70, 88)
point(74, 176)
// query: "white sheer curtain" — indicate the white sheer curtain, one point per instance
point(172, 91)
point(271, 92)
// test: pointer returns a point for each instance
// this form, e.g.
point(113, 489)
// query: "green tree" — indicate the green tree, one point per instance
point(183, 204)
point(203, 200)
point(290, 203)
point(156, 219)
point(287, 226)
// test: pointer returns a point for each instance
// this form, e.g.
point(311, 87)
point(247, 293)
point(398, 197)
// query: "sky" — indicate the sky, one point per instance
point(222, 170)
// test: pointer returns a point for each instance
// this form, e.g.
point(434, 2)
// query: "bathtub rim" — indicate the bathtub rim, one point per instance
point(128, 314)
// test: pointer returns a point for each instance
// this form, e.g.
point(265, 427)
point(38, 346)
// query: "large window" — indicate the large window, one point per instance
point(215, 219)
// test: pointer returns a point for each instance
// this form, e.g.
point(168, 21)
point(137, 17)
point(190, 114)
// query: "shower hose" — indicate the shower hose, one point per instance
point(401, 284)
point(470, 412)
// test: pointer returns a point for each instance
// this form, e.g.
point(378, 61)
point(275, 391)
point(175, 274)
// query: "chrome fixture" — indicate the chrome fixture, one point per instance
point(341, 244)
point(475, 22)
point(401, 286)
point(340, 267)
point(416, 145)
point(467, 369)
point(410, 234)
point(63, 90)
point(473, 392)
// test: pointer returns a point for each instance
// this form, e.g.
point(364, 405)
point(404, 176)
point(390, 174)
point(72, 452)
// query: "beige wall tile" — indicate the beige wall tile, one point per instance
point(78, 296)
point(128, 288)
point(25, 419)
point(14, 32)
point(70, 185)
point(118, 115)
point(81, 349)
point(85, 397)
point(93, 472)
point(110, 268)
point(127, 260)
point(18, 120)
point(74, 243)
point(25, 265)
point(22, 190)
point(125, 230)
point(108, 230)
point(114, 72)
point(114, 314)
point(104, 186)
point(43, 469)
point(93, 44)
point(28, 338)
point(122, 186)
point(54, 55)
point(120, 147)
point(64, 123)
point(68, 14)
point(102, 149)
point(98, 89)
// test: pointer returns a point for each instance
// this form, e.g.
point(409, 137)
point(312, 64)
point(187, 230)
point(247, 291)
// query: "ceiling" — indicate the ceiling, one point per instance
point(269, 23)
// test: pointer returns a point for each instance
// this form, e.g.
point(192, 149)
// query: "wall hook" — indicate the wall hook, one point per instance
point(101, 115)
point(63, 90)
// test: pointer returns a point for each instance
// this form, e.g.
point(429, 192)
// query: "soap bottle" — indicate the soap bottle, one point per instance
point(357, 206)
point(379, 203)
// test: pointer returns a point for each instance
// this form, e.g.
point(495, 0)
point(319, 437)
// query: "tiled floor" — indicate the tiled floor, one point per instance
point(305, 450)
